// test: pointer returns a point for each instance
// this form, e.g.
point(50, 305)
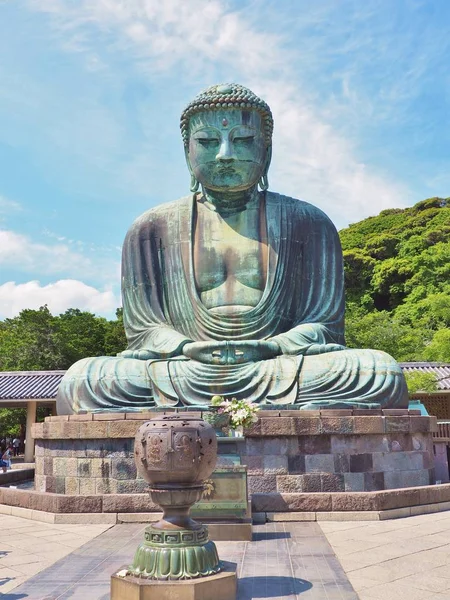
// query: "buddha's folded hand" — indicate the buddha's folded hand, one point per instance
point(231, 352)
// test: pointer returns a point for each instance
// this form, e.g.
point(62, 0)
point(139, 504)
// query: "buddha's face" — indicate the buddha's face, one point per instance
point(227, 151)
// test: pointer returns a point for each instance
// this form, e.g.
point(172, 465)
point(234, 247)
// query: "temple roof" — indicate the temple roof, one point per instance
point(30, 385)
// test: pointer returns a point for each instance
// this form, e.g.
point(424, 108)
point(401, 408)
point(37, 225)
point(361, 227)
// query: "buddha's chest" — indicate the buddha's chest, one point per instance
point(229, 252)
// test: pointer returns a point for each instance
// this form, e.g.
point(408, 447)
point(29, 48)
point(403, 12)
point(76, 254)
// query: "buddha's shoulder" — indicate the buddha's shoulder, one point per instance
point(299, 208)
point(162, 213)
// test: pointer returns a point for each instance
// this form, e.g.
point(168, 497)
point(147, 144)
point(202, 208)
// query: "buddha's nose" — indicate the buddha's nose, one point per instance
point(225, 153)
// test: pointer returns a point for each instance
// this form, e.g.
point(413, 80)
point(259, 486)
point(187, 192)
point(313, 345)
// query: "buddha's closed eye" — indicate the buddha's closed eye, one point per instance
point(208, 141)
point(247, 139)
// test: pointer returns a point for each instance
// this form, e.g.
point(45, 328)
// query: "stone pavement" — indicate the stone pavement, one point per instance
point(290, 561)
point(383, 560)
point(397, 559)
point(28, 547)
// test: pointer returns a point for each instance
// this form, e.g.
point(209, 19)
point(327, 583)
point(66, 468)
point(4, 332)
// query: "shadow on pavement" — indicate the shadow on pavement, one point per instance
point(271, 587)
point(270, 535)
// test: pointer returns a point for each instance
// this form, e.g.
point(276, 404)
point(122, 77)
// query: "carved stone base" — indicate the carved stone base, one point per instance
point(285, 452)
point(221, 586)
point(174, 555)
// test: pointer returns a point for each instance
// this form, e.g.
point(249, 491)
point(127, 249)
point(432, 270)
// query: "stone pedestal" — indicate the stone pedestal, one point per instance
point(295, 460)
point(220, 587)
point(285, 451)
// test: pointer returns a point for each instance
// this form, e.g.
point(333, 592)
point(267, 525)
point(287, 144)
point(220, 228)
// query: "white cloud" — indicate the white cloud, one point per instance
point(159, 35)
point(59, 296)
point(313, 159)
point(8, 206)
point(20, 252)
point(313, 162)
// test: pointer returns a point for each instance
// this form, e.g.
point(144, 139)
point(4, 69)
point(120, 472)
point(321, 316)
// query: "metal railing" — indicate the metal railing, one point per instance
point(443, 432)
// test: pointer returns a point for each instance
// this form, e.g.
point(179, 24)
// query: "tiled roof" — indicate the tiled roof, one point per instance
point(442, 371)
point(19, 385)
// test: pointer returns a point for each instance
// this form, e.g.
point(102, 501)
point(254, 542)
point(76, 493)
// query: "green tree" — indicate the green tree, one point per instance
point(419, 381)
point(115, 339)
point(430, 311)
point(397, 274)
point(380, 331)
point(37, 340)
point(358, 271)
point(439, 347)
point(79, 334)
point(27, 342)
point(13, 420)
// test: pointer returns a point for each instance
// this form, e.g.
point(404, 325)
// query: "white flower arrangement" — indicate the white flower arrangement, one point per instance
point(242, 413)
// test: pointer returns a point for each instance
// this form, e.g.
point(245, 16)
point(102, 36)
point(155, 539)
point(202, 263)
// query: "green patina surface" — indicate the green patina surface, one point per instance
point(232, 290)
point(175, 555)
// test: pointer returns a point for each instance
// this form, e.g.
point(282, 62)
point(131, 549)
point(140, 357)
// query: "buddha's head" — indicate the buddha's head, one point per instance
point(227, 135)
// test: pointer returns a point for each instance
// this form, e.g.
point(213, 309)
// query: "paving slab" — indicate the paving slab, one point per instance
point(384, 560)
point(29, 547)
point(391, 560)
point(285, 561)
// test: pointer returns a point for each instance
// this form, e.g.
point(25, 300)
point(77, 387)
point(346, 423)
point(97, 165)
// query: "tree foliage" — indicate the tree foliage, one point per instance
point(13, 420)
point(37, 340)
point(397, 273)
point(419, 381)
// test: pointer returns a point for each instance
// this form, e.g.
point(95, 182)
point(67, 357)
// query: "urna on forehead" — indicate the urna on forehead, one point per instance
point(227, 96)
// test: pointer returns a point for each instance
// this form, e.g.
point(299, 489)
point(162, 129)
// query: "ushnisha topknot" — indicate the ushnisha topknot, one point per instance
point(227, 95)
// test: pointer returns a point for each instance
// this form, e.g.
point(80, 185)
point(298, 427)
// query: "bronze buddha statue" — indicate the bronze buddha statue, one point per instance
point(232, 290)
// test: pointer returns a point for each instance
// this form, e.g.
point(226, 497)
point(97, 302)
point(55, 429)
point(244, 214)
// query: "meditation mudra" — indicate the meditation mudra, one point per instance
point(232, 290)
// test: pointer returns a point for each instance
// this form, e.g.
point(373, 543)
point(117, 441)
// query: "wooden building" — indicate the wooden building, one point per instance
point(20, 389)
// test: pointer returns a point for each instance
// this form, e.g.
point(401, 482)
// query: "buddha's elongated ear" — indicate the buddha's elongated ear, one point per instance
point(264, 180)
point(194, 182)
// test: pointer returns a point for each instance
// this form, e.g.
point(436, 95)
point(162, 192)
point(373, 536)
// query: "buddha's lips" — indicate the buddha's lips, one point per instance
point(226, 170)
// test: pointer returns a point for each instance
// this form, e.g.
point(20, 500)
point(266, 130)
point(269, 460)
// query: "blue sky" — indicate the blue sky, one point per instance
point(90, 97)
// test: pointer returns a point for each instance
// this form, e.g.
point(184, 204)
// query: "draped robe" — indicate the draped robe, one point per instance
point(302, 305)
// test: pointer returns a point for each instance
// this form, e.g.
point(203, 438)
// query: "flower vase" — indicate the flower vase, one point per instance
point(218, 420)
point(238, 431)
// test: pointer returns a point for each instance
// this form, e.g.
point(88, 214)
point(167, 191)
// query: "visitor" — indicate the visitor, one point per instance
point(3, 463)
point(6, 457)
point(16, 445)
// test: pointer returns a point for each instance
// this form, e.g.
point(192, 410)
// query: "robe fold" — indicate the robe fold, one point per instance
point(302, 305)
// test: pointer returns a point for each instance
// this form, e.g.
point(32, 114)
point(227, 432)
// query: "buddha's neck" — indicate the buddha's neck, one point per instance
point(229, 203)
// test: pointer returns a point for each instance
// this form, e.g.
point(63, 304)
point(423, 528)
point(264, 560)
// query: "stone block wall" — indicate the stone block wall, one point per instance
point(87, 467)
point(339, 451)
point(353, 463)
point(286, 452)
point(88, 454)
